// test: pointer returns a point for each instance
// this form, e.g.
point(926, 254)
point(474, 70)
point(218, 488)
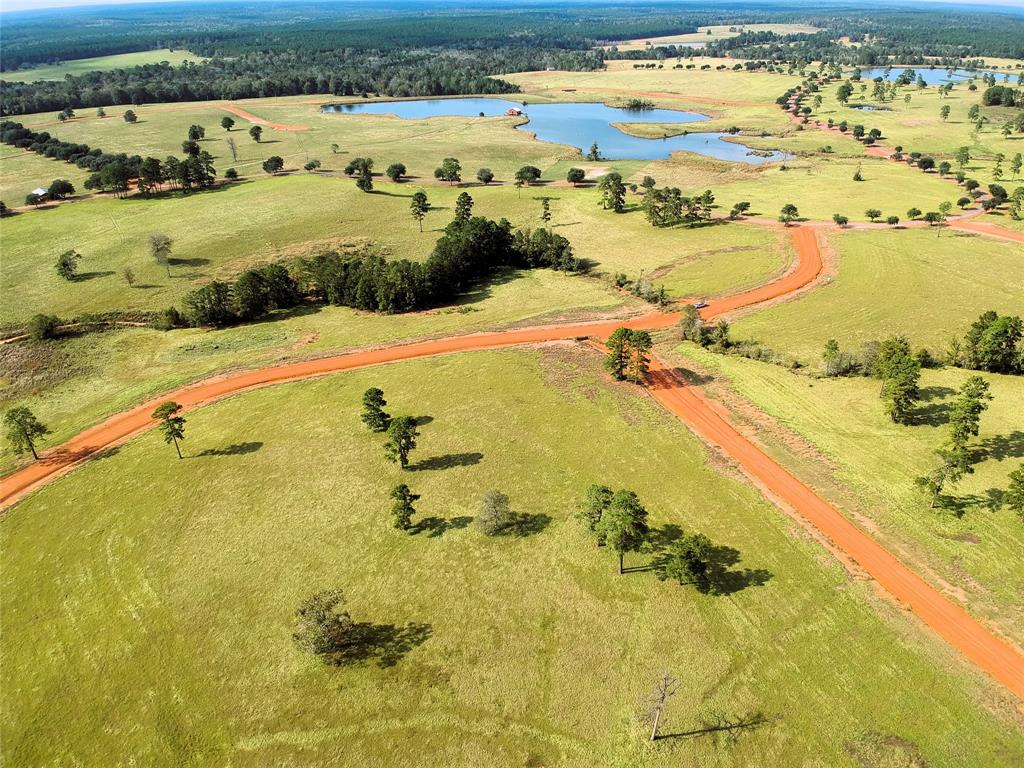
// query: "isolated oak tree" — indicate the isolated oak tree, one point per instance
point(160, 250)
point(374, 416)
point(623, 525)
point(171, 424)
point(576, 176)
point(401, 440)
point(402, 508)
point(495, 514)
point(485, 176)
point(395, 172)
point(450, 170)
point(788, 214)
point(227, 123)
point(23, 429)
point(688, 560)
point(256, 132)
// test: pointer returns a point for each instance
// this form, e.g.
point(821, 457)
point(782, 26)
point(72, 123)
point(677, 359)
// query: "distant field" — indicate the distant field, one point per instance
point(919, 127)
point(219, 233)
point(99, 63)
point(981, 551)
point(913, 282)
point(709, 33)
point(22, 171)
point(161, 620)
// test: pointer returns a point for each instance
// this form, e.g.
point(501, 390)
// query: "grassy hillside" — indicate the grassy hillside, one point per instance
point(918, 283)
point(162, 619)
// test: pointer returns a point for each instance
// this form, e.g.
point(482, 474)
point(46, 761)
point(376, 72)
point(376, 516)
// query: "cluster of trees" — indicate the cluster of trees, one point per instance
point(628, 355)
point(1002, 95)
point(892, 361)
point(993, 343)
point(470, 249)
point(668, 206)
point(693, 328)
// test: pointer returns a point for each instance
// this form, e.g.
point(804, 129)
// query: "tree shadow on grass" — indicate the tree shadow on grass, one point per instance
point(384, 643)
point(721, 577)
point(448, 461)
point(236, 449)
point(83, 276)
point(422, 421)
point(438, 526)
point(723, 724)
point(523, 524)
point(936, 412)
point(1001, 447)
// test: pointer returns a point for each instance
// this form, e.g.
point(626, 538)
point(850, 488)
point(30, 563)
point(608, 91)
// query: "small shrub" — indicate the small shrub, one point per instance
point(43, 327)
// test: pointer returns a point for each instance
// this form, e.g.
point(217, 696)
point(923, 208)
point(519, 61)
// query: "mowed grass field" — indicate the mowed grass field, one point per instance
point(218, 233)
point(159, 615)
point(713, 32)
point(919, 127)
point(970, 544)
point(916, 282)
point(22, 171)
point(100, 64)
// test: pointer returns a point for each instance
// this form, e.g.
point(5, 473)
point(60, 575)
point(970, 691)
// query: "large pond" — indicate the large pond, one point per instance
point(577, 125)
point(937, 76)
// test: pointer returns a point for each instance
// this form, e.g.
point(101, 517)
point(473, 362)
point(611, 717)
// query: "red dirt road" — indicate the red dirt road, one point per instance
point(950, 621)
point(991, 230)
point(260, 121)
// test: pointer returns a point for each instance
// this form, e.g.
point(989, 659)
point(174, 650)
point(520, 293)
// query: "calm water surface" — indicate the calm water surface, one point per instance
point(577, 125)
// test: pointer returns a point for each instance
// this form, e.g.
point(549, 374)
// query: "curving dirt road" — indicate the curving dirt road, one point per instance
point(950, 621)
point(981, 228)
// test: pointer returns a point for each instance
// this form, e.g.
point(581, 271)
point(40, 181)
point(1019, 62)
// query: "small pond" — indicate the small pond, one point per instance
point(937, 76)
point(577, 125)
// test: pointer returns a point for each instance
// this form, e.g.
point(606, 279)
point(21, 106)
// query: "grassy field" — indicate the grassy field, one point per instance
point(911, 282)
point(100, 64)
point(971, 542)
point(710, 33)
point(919, 127)
point(218, 233)
point(22, 171)
point(161, 620)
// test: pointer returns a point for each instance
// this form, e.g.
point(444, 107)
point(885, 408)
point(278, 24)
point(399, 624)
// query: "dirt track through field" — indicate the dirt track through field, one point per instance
point(260, 121)
point(990, 653)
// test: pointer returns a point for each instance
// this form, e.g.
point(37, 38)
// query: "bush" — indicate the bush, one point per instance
point(42, 327)
point(322, 625)
point(210, 305)
point(168, 320)
point(495, 515)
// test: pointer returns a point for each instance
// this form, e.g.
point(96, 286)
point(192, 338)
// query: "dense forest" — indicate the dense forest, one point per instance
point(436, 49)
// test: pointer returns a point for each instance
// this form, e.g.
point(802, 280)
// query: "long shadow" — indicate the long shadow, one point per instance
point(387, 194)
point(384, 643)
point(439, 526)
point(524, 524)
point(935, 413)
point(723, 723)
point(447, 461)
point(236, 449)
point(422, 421)
point(720, 580)
point(194, 262)
point(1001, 447)
point(83, 276)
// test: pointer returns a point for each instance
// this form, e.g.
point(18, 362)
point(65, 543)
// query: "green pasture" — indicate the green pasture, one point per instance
point(22, 171)
point(970, 542)
point(926, 284)
point(919, 127)
point(153, 597)
point(218, 233)
point(100, 64)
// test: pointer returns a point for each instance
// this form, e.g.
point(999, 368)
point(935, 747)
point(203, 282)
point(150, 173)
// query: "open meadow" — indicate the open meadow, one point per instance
point(171, 609)
point(100, 64)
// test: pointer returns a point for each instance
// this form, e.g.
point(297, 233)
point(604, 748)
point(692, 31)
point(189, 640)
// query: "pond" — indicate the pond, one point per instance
point(578, 125)
point(937, 76)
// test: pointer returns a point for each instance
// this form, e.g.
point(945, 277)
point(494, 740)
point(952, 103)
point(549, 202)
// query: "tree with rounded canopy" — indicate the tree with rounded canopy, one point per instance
point(613, 192)
point(788, 214)
point(196, 133)
point(528, 174)
point(160, 250)
point(450, 170)
point(623, 526)
point(688, 560)
point(914, 213)
point(873, 214)
point(273, 164)
point(840, 220)
point(419, 207)
point(322, 625)
point(256, 131)
point(310, 166)
point(395, 172)
point(374, 416)
point(485, 176)
point(59, 189)
point(130, 116)
point(893, 221)
point(576, 176)
point(402, 508)
point(172, 425)
point(401, 440)
point(227, 123)
point(23, 430)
